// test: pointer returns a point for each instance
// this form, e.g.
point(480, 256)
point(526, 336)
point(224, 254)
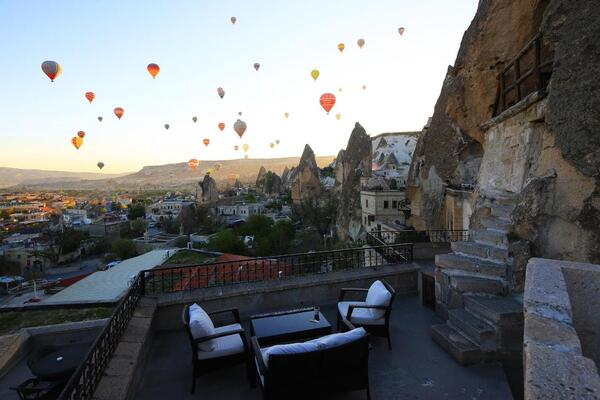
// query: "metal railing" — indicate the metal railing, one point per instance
point(85, 379)
point(244, 270)
point(528, 72)
point(382, 238)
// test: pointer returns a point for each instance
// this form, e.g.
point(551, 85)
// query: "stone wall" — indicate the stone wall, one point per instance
point(561, 347)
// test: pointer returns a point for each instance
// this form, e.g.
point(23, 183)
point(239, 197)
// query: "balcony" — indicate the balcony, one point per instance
point(142, 352)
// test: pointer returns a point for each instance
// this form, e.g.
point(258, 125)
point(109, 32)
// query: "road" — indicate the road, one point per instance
point(76, 268)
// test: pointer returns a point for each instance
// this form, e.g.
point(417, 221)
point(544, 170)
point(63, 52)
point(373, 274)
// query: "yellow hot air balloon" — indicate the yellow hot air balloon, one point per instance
point(315, 74)
point(341, 47)
point(245, 147)
point(338, 116)
point(77, 142)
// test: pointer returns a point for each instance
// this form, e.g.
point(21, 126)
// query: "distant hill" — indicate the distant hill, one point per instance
point(17, 177)
point(177, 175)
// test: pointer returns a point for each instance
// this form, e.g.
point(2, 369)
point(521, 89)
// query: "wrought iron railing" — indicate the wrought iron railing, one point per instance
point(382, 238)
point(85, 379)
point(244, 270)
point(528, 72)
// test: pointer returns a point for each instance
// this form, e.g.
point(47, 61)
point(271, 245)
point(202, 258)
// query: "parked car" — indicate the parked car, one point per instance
point(108, 266)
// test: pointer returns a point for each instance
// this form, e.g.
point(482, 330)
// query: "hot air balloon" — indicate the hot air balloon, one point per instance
point(233, 20)
point(193, 164)
point(52, 69)
point(256, 66)
point(77, 142)
point(364, 87)
point(271, 145)
point(315, 74)
point(100, 165)
point(206, 141)
point(167, 126)
point(220, 92)
point(221, 126)
point(119, 112)
point(245, 147)
point(236, 147)
point(360, 42)
point(153, 69)
point(338, 116)
point(287, 114)
point(195, 119)
point(341, 47)
point(340, 90)
point(327, 101)
point(239, 127)
point(100, 118)
point(277, 141)
point(240, 113)
point(90, 96)
point(401, 30)
point(81, 134)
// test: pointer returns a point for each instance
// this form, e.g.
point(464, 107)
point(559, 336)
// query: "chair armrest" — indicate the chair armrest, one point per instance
point(343, 292)
point(234, 311)
point(351, 308)
point(348, 324)
point(262, 368)
point(240, 332)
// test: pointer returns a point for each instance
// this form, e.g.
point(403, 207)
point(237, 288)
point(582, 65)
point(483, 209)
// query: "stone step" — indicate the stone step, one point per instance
point(490, 236)
point(480, 250)
point(462, 349)
point(462, 262)
point(502, 211)
point(499, 224)
point(498, 310)
point(473, 328)
point(467, 283)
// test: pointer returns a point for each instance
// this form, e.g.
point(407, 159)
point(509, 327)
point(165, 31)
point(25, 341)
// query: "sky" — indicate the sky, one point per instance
point(105, 46)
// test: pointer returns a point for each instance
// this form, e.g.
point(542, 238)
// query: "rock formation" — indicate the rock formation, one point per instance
point(210, 193)
point(260, 178)
point(304, 180)
point(350, 166)
point(268, 182)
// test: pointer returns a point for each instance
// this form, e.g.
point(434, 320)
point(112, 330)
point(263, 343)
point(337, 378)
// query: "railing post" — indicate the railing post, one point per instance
point(143, 282)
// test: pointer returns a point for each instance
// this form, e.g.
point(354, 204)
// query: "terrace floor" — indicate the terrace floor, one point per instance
point(416, 368)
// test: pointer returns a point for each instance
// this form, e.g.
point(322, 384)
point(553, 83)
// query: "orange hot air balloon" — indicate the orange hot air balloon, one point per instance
point(77, 142)
point(90, 96)
point(236, 147)
point(193, 164)
point(206, 142)
point(119, 112)
point(81, 134)
point(239, 127)
point(341, 47)
point(52, 69)
point(327, 101)
point(360, 42)
point(221, 126)
point(401, 30)
point(153, 69)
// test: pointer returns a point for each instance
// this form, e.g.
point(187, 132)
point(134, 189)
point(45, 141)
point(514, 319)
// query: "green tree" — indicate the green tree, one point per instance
point(4, 214)
point(70, 240)
point(320, 212)
point(124, 248)
point(250, 198)
point(170, 225)
point(281, 236)
point(226, 241)
point(194, 218)
point(136, 210)
point(269, 182)
point(256, 225)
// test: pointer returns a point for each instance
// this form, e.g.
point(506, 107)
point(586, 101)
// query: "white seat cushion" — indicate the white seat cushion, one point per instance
point(225, 345)
point(338, 339)
point(378, 295)
point(201, 326)
point(360, 316)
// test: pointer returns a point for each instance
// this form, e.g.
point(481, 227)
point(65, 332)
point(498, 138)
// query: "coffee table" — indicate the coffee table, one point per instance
point(288, 326)
point(57, 364)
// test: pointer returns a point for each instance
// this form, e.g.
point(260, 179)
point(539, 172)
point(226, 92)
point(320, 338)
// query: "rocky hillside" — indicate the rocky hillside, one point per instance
point(15, 176)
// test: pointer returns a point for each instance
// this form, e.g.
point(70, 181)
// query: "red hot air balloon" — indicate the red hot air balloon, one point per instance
point(90, 96)
point(327, 101)
point(206, 142)
point(153, 69)
point(52, 69)
point(119, 112)
point(81, 134)
point(221, 126)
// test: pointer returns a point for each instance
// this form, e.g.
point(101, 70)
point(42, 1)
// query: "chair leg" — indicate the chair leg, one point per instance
point(193, 380)
point(368, 392)
point(250, 373)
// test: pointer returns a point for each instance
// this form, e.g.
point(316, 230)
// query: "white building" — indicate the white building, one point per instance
point(239, 209)
point(382, 207)
point(166, 208)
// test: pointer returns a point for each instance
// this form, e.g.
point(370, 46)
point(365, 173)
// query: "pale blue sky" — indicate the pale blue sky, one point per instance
point(104, 47)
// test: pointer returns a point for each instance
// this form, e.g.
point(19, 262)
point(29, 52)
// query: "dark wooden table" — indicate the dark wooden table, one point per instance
point(57, 364)
point(288, 326)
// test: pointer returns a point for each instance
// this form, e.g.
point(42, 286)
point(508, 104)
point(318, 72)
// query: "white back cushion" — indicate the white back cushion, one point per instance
point(201, 326)
point(338, 339)
point(378, 295)
point(292, 348)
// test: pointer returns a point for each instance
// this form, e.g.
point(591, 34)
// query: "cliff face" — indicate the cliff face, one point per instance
point(210, 193)
point(351, 164)
point(304, 180)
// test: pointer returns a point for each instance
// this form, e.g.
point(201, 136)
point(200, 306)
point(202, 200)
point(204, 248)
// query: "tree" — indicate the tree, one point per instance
point(393, 184)
point(194, 217)
point(226, 241)
point(269, 182)
point(281, 236)
point(320, 212)
point(4, 214)
point(250, 198)
point(124, 248)
point(170, 225)
point(256, 225)
point(136, 210)
point(70, 240)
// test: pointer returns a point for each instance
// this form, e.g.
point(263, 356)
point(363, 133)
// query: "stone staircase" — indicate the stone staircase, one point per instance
point(484, 322)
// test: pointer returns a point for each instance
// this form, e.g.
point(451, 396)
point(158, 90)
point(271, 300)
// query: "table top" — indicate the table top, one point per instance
point(59, 363)
point(289, 326)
